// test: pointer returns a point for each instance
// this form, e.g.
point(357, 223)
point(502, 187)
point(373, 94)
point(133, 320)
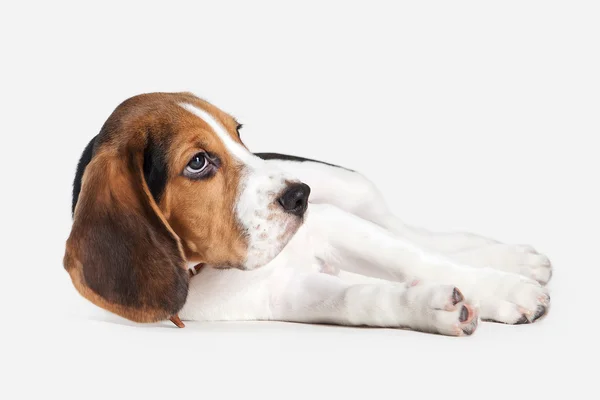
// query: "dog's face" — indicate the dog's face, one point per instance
point(221, 200)
point(169, 181)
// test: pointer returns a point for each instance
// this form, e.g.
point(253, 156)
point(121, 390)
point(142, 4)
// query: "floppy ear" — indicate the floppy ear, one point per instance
point(122, 255)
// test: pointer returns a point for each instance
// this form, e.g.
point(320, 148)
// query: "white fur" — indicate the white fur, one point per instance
point(378, 271)
point(234, 148)
point(268, 226)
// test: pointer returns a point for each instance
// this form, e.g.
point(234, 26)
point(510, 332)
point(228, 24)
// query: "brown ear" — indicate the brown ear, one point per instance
point(121, 254)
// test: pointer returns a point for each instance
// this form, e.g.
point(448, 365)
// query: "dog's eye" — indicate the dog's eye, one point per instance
point(238, 129)
point(202, 166)
point(197, 164)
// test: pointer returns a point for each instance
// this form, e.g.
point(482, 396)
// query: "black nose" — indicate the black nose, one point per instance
point(295, 199)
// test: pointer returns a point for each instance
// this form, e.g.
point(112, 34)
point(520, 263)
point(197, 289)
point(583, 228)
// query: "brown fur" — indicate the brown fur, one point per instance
point(128, 254)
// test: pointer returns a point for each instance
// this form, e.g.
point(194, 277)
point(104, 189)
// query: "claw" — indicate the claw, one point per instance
point(522, 320)
point(540, 312)
point(457, 296)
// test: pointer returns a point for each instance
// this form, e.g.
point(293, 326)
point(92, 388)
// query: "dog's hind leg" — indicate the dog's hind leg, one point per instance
point(355, 194)
point(344, 241)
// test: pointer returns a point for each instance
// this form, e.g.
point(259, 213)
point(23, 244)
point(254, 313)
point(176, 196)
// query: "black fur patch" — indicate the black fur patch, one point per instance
point(155, 168)
point(84, 160)
point(286, 157)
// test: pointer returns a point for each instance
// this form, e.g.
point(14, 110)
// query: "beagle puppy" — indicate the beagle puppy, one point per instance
point(174, 218)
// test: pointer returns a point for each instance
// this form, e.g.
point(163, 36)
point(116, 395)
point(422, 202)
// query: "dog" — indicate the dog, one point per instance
point(175, 218)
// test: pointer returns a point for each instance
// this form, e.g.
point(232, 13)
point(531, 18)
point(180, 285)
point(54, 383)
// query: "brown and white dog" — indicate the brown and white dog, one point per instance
point(168, 185)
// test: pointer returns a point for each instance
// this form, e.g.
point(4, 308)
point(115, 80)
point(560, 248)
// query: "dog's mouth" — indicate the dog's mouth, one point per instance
point(266, 246)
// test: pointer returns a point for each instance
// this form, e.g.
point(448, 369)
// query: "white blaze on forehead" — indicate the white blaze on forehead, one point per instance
point(237, 150)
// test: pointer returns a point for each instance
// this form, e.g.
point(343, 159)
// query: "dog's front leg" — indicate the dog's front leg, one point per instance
point(312, 297)
point(343, 240)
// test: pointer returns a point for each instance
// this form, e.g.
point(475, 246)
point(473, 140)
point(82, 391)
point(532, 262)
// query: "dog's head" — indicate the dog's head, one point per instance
point(168, 181)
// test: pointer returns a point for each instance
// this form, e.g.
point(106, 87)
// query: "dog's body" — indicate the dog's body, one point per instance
point(350, 261)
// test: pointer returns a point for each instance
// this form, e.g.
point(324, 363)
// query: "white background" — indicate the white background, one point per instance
point(476, 116)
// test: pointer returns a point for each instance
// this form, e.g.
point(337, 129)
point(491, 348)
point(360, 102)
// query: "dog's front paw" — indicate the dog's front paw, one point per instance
point(441, 309)
point(518, 259)
point(510, 298)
